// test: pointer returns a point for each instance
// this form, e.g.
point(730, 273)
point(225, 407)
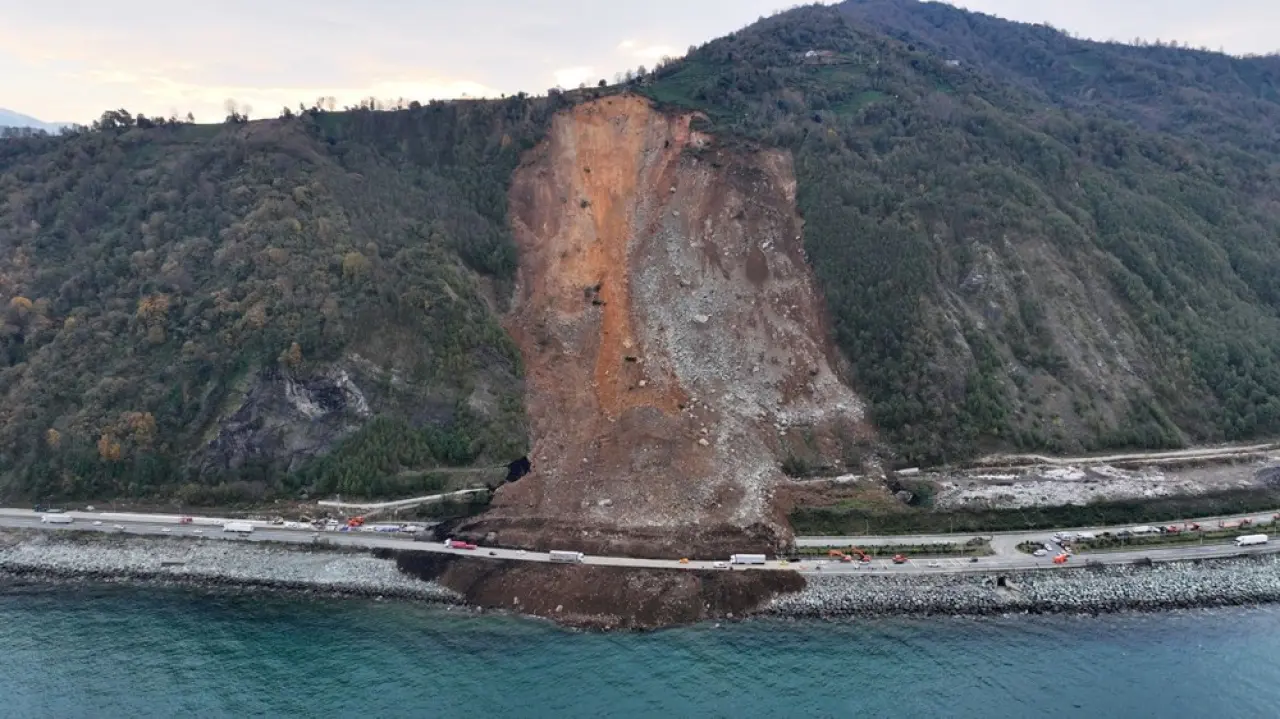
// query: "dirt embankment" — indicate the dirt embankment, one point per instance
point(675, 346)
point(600, 597)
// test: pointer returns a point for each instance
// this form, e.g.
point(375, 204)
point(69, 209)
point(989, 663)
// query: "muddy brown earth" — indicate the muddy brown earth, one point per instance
point(601, 597)
point(675, 345)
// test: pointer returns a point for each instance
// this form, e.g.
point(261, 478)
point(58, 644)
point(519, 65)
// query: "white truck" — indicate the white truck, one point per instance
point(747, 559)
point(1249, 540)
point(238, 527)
point(57, 519)
point(566, 557)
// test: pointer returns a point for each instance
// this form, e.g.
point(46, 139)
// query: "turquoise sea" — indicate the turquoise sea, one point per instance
point(113, 651)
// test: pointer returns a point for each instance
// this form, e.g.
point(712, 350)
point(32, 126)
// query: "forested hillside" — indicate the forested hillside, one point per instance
point(210, 310)
point(1024, 241)
point(1015, 254)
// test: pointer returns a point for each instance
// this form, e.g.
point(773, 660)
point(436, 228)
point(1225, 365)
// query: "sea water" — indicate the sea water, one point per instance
point(114, 651)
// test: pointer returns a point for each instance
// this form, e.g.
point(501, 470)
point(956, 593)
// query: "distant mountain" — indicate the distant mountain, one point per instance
point(9, 118)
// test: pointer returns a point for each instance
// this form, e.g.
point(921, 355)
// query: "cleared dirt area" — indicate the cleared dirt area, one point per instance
point(1035, 492)
point(1083, 484)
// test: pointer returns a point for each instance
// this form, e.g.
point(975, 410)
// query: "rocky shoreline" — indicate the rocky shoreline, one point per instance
point(212, 563)
point(1091, 590)
point(40, 557)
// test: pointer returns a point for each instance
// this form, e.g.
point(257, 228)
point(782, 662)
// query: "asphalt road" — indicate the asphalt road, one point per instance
point(1005, 543)
point(210, 529)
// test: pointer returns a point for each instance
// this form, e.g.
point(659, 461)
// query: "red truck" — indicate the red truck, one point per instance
point(455, 544)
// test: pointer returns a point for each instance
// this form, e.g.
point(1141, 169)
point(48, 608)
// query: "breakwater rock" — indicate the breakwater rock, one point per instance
point(214, 563)
point(1094, 589)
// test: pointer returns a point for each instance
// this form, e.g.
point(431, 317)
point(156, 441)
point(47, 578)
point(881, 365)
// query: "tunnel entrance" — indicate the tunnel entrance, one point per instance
point(518, 469)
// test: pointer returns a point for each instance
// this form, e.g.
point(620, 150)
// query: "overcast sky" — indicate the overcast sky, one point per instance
point(67, 60)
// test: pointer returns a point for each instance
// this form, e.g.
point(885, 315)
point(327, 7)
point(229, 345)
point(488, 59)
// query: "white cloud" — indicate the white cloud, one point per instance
point(157, 94)
point(571, 77)
point(649, 53)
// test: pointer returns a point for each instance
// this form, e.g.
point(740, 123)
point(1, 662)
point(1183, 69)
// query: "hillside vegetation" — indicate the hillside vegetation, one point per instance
point(210, 310)
point(1024, 240)
point(1012, 260)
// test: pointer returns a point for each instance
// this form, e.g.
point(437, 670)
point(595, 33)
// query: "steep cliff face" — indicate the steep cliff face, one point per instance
point(674, 343)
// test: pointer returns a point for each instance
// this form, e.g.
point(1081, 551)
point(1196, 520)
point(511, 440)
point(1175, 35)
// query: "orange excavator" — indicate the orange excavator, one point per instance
point(843, 557)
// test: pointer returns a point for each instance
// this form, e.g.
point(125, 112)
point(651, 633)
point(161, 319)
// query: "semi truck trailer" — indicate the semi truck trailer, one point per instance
point(241, 527)
point(1249, 540)
point(747, 559)
point(565, 557)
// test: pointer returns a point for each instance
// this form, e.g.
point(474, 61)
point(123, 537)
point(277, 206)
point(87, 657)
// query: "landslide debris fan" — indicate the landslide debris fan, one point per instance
point(1025, 240)
point(248, 310)
point(675, 344)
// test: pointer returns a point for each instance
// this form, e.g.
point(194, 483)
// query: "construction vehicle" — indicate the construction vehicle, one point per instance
point(355, 522)
point(1061, 559)
point(848, 556)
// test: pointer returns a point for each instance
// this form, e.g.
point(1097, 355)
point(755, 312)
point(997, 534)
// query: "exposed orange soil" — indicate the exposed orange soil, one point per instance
point(672, 337)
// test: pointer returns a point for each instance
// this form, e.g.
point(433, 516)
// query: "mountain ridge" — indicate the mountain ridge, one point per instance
point(323, 302)
point(10, 118)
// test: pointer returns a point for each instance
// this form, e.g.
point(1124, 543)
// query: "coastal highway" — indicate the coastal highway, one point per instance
point(210, 529)
point(1006, 543)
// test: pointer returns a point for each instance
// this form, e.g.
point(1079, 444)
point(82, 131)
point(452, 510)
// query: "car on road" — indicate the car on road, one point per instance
point(1039, 552)
point(97, 523)
point(118, 527)
point(899, 559)
point(197, 531)
point(164, 529)
point(935, 563)
point(725, 565)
